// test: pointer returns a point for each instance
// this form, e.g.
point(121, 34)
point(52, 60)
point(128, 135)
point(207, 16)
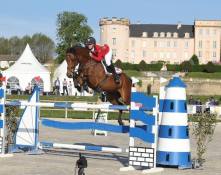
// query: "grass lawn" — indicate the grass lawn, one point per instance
point(215, 75)
point(133, 73)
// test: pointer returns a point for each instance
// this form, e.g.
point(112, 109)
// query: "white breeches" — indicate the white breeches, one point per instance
point(108, 58)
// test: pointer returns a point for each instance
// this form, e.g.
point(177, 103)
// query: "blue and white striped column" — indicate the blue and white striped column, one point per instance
point(173, 142)
point(2, 121)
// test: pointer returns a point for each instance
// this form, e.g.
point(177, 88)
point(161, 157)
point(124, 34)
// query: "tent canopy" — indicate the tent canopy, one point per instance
point(27, 68)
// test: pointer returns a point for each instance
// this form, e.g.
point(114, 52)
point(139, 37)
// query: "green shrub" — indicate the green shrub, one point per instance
point(209, 67)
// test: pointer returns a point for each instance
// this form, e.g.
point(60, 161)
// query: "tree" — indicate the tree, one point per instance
point(194, 60)
point(72, 29)
point(43, 47)
point(4, 47)
point(142, 65)
point(186, 66)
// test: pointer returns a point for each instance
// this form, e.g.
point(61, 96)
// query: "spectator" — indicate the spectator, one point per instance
point(28, 89)
point(17, 88)
point(65, 86)
point(191, 101)
point(70, 88)
point(57, 86)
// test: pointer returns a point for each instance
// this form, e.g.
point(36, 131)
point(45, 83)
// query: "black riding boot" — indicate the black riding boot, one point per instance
point(85, 86)
point(113, 71)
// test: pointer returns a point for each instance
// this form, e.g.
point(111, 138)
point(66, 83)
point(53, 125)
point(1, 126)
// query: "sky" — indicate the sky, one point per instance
point(26, 17)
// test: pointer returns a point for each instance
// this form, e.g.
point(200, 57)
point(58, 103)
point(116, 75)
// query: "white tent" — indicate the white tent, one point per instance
point(60, 73)
point(26, 70)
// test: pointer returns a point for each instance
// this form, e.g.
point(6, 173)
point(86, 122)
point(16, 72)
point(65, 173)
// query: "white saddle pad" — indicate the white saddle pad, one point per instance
point(117, 69)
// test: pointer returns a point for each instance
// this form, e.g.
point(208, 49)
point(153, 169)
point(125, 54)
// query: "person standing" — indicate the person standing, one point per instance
point(65, 86)
point(57, 86)
point(70, 86)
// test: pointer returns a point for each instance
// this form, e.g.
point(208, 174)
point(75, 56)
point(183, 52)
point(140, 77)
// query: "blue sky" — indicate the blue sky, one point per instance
point(21, 17)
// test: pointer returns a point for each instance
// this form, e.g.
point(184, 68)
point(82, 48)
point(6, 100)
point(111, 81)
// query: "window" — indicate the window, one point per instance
point(168, 43)
point(214, 54)
point(200, 53)
point(171, 106)
point(144, 34)
point(186, 44)
point(168, 55)
point(132, 54)
point(144, 44)
point(162, 34)
point(161, 55)
point(133, 43)
point(175, 34)
point(200, 31)
point(114, 41)
point(175, 43)
point(186, 55)
point(200, 44)
point(214, 32)
point(155, 43)
point(168, 34)
point(144, 54)
point(214, 44)
point(187, 35)
point(114, 52)
point(155, 34)
point(207, 32)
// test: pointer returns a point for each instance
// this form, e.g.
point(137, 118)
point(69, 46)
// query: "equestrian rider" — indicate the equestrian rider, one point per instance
point(104, 54)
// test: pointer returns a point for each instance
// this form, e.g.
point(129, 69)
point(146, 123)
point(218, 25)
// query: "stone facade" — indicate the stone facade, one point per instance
point(159, 42)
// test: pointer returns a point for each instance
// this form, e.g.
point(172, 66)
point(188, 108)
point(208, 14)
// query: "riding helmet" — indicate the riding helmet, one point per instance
point(90, 40)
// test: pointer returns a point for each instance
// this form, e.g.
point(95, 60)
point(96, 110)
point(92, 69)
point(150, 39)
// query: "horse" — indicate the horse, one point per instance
point(93, 73)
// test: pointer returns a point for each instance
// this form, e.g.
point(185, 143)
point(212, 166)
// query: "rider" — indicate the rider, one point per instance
point(100, 53)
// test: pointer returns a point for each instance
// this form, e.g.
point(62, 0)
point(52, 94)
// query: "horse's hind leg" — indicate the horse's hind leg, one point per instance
point(120, 121)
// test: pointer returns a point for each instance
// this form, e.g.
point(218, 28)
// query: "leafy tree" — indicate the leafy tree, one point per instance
point(142, 65)
point(194, 60)
point(72, 28)
point(4, 47)
point(186, 66)
point(118, 63)
point(43, 47)
point(14, 43)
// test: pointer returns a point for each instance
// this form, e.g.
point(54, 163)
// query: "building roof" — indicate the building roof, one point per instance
point(8, 57)
point(136, 30)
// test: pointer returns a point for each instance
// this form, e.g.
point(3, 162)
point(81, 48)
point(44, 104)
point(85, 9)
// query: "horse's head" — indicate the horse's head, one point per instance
point(74, 56)
point(72, 61)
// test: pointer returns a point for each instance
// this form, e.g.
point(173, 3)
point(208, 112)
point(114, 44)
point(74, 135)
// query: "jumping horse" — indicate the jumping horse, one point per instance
point(93, 73)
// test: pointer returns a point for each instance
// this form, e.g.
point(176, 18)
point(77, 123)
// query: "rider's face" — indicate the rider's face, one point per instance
point(90, 46)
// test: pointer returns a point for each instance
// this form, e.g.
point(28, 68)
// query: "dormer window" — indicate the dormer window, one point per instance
point(155, 34)
point(162, 34)
point(168, 34)
point(187, 35)
point(175, 34)
point(144, 34)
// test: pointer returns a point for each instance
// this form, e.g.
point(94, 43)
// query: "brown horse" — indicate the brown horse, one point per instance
point(94, 75)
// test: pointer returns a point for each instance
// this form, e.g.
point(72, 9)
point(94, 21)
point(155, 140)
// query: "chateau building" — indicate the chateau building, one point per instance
point(161, 42)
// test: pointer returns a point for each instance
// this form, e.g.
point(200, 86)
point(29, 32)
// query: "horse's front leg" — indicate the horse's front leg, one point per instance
point(120, 121)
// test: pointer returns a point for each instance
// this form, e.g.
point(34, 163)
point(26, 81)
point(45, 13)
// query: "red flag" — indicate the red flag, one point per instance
point(2, 78)
point(38, 78)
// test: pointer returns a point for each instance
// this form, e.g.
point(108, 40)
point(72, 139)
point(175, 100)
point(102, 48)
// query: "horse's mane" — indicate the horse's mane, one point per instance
point(74, 49)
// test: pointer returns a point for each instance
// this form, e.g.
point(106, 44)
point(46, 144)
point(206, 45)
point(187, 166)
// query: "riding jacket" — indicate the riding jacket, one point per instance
point(98, 52)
